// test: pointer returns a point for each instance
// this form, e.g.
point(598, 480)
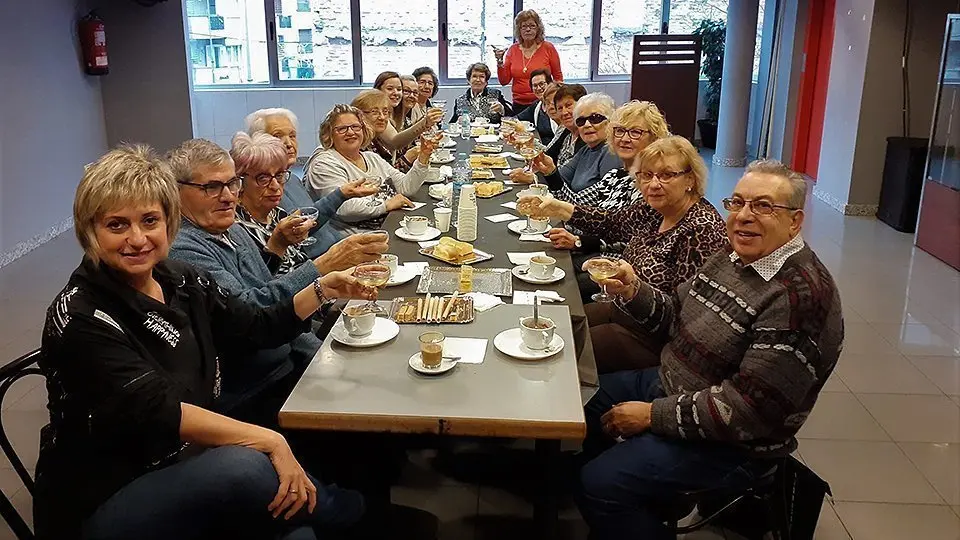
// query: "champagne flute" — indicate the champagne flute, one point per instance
point(373, 274)
point(600, 269)
point(528, 208)
point(309, 212)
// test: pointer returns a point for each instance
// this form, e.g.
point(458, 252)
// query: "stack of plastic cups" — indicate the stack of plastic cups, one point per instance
point(467, 214)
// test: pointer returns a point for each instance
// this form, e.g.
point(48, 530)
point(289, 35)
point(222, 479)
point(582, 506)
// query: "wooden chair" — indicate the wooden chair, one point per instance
point(9, 374)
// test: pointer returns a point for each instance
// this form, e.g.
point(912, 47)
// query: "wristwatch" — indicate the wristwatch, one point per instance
point(577, 244)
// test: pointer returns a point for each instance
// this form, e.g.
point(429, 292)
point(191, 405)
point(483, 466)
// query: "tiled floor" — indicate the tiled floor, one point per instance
point(885, 432)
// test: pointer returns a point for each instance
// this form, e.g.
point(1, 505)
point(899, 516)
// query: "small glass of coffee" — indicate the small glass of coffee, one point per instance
point(431, 349)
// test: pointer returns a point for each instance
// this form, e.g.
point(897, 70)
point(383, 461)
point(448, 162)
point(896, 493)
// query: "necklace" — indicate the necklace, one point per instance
point(524, 59)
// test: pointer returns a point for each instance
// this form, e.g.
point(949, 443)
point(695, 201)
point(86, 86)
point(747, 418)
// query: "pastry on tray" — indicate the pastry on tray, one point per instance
point(452, 250)
point(488, 189)
point(482, 174)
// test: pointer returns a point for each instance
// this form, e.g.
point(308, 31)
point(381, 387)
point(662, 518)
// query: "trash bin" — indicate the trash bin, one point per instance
point(902, 182)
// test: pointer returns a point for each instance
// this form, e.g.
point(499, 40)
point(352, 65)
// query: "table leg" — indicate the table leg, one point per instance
point(546, 508)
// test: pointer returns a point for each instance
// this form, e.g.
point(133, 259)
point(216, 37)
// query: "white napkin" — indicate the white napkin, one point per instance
point(526, 297)
point(428, 243)
point(534, 238)
point(511, 205)
point(483, 301)
point(446, 170)
point(488, 138)
point(522, 259)
point(416, 206)
point(470, 350)
point(417, 267)
point(499, 218)
point(513, 155)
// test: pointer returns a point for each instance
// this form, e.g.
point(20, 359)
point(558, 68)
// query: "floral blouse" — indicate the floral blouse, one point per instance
point(261, 234)
point(664, 260)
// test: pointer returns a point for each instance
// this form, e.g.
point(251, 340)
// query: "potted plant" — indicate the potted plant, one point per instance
point(712, 33)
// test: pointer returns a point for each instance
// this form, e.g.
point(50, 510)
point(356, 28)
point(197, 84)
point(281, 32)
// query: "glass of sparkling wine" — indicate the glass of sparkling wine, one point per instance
point(600, 269)
point(372, 275)
point(309, 212)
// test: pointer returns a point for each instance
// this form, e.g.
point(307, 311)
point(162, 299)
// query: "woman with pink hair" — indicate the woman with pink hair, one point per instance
point(262, 165)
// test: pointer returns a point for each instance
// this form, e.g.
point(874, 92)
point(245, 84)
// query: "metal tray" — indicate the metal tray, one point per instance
point(504, 190)
point(403, 310)
point(446, 279)
point(475, 257)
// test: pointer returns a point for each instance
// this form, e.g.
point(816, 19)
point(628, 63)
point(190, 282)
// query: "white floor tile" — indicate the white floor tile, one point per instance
point(840, 416)
point(944, 371)
point(911, 418)
point(868, 521)
point(921, 339)
point(863, 338)
point(829, 526)
point(883, 374)
point(940, 464)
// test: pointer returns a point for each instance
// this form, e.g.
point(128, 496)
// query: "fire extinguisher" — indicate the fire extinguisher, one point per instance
point(93, 41)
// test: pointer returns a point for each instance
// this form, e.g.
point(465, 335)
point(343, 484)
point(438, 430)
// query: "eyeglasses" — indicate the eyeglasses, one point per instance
point(215, 188)
point(425, 82)
point(759, 207)
point(594, 119)
point(382, 113)
point(635, 134)
point(538, 86)
point(342, 130)
point(664, 177)
point(410, 92)
point(264, 179)
point(529, 26)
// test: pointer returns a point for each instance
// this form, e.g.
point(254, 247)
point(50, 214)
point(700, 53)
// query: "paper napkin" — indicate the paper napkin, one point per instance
point(499, 218)
point(483, 301)
point(534, 238)
point(470, 350)
point(521, 259)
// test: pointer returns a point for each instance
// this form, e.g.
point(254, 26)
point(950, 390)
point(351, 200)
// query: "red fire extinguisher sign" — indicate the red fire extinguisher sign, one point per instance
point(93, 41)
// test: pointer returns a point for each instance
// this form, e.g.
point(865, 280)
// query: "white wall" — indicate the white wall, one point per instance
point(51, 120)
point(219, 114)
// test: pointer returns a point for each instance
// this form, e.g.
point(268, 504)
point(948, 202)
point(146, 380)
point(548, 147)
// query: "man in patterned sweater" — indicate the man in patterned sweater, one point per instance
point(750, 341)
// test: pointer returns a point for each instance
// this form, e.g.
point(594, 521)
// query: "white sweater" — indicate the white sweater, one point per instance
point(327, 170)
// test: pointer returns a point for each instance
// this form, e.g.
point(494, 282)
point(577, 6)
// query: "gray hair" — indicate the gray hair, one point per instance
point(257, 120)
point(195, 153)
point(798, 185)
point(409, 78)
point(595, 99)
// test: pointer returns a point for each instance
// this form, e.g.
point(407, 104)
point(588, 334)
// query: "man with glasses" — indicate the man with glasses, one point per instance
point(749, 343)
point(254, 383)
point(537, 115)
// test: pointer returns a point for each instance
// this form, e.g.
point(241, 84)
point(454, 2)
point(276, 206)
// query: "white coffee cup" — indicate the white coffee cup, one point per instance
point(415, 225)
point(390, 261)
point(537, 338)
point(445, 141)
point(539, 225)
point(433, 174)
point(542, 266)
point(358, 321)
point(537, 189)
point(442, 216)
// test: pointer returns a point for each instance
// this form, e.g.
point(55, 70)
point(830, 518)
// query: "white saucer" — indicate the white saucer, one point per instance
point(558, 274)
point(520, 224)
point(435, 161)
point(450, 144)
point(432, 232)
point(383, 331)
point(416, 362)
point(509, 343)
point(402, 275)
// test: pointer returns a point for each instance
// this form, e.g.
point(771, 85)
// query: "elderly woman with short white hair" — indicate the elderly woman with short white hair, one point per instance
point(591, 162)
point(283, 124)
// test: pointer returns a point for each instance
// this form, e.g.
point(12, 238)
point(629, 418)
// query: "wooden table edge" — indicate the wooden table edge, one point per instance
point(455, 426)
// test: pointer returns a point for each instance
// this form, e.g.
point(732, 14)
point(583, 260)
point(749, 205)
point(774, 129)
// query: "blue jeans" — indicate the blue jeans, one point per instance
point(624, 486)
point(221, 493)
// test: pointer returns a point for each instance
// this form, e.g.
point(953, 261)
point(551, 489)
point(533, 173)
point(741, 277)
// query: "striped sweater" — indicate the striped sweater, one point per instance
point(745, 357)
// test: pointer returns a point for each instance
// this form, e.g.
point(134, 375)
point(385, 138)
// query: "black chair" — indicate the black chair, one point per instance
point(9, 374)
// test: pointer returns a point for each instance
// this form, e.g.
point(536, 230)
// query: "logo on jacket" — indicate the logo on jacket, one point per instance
point(161, 327)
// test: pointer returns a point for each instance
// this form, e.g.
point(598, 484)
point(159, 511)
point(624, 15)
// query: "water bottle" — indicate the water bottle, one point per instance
point(464, 124)
point(461, 176)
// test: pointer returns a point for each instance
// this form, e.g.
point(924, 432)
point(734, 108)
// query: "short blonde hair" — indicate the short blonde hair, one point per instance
point(338, 110)
point(128, 175)
point(369, 99)
point(258, 152)
point(675, 146)
point(529, 15)
point(639, 114)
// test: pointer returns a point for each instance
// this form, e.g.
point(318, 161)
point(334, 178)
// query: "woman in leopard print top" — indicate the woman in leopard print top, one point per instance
point(669, 233)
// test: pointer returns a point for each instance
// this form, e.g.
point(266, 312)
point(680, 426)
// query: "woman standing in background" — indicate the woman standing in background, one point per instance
point(531, 52)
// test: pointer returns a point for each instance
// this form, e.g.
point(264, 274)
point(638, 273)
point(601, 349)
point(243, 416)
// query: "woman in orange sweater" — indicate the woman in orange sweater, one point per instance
point(531, 52)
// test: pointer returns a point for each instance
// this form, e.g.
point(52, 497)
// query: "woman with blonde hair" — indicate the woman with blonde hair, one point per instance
point(395, 137)
point(667, 236)
point(341, 158)
point(530, 52)
point(132, 353)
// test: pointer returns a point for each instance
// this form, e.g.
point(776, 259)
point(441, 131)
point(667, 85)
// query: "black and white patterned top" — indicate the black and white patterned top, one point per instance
point(261, 235)
point(614, 190)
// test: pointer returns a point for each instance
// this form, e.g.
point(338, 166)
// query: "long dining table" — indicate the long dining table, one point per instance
point(374, 390)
